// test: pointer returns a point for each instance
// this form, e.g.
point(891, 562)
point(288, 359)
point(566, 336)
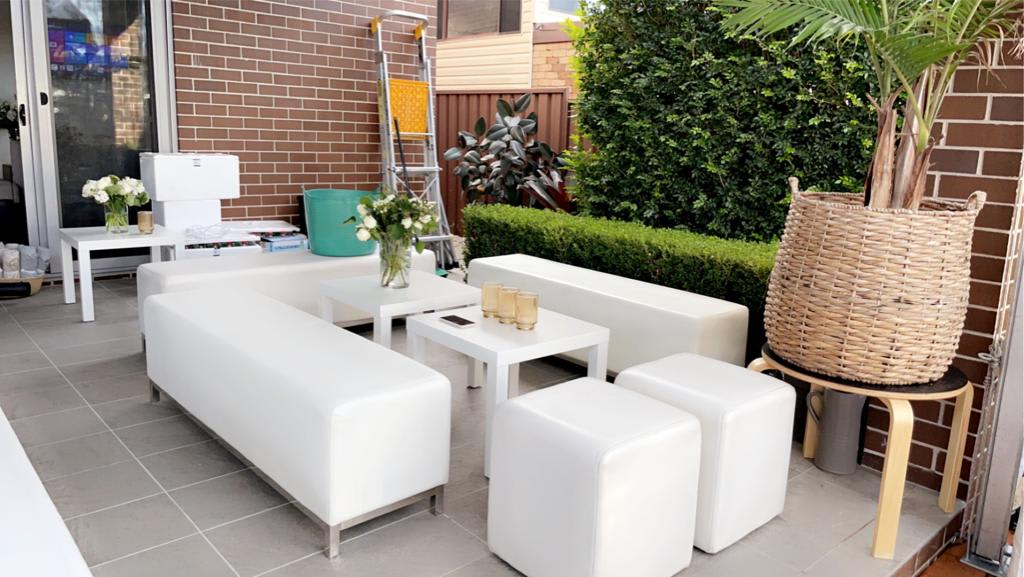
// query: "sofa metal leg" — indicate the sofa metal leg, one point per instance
point(154, 392)
point(333, 541)
point(437, 502)
point(143, 337)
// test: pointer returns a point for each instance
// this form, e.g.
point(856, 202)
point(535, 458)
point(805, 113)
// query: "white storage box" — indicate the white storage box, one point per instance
point(185, 176)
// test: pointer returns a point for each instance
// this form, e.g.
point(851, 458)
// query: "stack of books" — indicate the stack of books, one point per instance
point(285, 243)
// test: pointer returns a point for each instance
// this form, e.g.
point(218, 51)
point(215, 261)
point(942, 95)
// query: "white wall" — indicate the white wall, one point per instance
point(6, 72)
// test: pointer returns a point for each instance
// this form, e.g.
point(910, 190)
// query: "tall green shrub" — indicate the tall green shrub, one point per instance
point(693, 129)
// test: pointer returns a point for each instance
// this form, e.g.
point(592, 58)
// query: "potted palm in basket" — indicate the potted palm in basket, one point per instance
point(874, 287)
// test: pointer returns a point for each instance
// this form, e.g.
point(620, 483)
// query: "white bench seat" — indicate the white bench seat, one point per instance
point(290, 277)
point(346, 427)
point(33, 538)
point(647, 321)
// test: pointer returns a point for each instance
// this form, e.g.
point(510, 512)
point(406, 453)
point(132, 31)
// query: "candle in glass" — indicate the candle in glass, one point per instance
point(526, 311)
point(489, 302)
point(507, 305)
point(145, 222)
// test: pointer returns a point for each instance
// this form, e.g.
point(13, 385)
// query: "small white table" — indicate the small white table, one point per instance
point(93, 238)
point(426, 292)
point(502, 347)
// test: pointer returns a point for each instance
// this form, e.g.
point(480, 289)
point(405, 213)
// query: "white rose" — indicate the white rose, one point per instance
point(369, 222)
point(426, 218)
point(418, 225)
point(132, 186)
point(407, 222)
point(102, 197)
point(363, 234)
point(361, 210)
point(89, 189)
point(103, 183)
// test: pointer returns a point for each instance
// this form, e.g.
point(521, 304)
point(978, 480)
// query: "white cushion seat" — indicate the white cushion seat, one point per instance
point(290, 277)
point(746, 425)
point(345, 426)
point(647, 321)
point(591, 480)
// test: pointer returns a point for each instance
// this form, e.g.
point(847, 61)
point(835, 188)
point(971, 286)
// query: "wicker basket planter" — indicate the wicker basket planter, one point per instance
point(872, 295)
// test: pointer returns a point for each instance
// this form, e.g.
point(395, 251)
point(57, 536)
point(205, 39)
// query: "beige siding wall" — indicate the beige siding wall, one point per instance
point(488, 61)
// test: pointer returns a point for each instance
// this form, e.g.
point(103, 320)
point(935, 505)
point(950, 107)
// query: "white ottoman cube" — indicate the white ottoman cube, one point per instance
point(747, 426)
point(591, 480)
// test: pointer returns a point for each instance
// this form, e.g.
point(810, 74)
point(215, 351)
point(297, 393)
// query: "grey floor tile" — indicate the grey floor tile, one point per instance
point(470, 512)
point(189, 557)
point(130, 528)
point(105, 304)
point(97, 489)
point(55, 427)
point(76, 455)
point(466, 473)
point(66, 332)
point(742, 560)
point(89, 371)
point(28, 381)
point(792, 544)
point(467, 425)
point(420, 546)
point(115, 388)
point(226, 498)
point(134, 411)
point(267, 540)
point(190, 464)
point(13, 340)
point(41, 402)
point(162, 435)
point(93, 351)
point(797, 463)
point(808, 497)
point(384, 520)
point(19, 362)
point(853, 557)
point(489, 566)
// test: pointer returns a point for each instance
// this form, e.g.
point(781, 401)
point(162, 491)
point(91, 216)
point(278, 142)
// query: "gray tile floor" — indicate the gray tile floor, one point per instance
point(146, 493)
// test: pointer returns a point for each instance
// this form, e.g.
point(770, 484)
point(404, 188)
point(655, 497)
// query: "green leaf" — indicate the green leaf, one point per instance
point(453, 153)
point(480, 127)
point(504, 109)
point(523, 102)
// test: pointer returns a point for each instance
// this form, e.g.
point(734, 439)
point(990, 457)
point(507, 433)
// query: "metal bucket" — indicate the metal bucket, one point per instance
point(838, 430)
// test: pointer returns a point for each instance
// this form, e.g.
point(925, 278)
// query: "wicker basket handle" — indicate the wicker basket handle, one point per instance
point(976, 200)
point(794, 185)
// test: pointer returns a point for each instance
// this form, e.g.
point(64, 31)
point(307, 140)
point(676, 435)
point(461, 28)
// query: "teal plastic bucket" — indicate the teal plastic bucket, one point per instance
point(326, 211)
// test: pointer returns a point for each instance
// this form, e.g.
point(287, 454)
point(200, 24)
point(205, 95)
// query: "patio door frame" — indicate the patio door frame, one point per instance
point(39, 146)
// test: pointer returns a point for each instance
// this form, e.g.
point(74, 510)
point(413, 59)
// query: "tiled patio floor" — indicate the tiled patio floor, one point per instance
point(146, 493)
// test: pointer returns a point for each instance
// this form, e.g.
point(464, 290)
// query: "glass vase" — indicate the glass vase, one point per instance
point(116, 216)
point(395, 262)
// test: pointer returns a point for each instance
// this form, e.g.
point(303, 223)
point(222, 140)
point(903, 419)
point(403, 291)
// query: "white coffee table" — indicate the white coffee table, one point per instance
point(502, 347)
point(426, 292)
point(93, 238)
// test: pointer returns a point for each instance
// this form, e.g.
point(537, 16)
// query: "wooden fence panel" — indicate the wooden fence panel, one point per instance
point(458, 110)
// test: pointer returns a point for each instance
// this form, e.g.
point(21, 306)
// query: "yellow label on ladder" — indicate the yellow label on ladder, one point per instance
point(409, 106)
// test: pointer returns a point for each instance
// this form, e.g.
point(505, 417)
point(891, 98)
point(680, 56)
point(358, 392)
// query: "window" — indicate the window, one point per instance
point(464, 17)
point(565, 6)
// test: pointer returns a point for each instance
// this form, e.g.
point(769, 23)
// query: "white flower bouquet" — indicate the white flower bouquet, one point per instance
point(396, 221)
point(116, 194)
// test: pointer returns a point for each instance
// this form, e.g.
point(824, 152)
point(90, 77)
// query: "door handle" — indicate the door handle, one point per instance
point(44, 98)
point(21, 114)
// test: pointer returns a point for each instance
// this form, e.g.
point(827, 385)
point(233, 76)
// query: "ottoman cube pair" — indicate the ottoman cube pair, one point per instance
point(590, 479)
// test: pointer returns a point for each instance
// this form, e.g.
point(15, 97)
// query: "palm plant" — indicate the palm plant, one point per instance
point(915, 47)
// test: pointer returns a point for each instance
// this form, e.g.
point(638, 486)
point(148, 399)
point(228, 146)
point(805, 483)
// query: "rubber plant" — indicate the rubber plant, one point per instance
point(915, 47)
point(506, 161)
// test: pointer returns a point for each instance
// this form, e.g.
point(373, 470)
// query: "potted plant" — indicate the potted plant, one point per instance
point(116, 194)
point(507, 163)
point(396, 222)
point(874, 287)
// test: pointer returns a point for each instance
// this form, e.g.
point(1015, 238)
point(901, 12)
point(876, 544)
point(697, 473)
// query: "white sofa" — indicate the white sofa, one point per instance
point(33, 538)
point(647, 321)
point(746, 421)
point(592, 480)
point(291, 277)
point(348, 428)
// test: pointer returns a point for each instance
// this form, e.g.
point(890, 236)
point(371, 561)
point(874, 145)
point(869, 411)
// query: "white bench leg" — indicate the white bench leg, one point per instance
point(437, 502)
point(333, 541)
point(154, 392)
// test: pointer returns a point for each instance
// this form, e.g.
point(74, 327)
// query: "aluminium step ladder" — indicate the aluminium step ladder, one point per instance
point(411, 103)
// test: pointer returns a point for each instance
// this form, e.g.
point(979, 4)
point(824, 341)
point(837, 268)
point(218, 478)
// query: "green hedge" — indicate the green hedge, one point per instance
point(694, 129)
point(732, 270)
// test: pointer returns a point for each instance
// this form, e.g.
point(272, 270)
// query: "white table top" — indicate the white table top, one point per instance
point(490, 341)
point(425, 292)
point(97, 237)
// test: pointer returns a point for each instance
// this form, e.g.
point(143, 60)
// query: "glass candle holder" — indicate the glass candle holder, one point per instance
point(526, 311)
point(145, 222)
point(489, 298)
point(507, 305)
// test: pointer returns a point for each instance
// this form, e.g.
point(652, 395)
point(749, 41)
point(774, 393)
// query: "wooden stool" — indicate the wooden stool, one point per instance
point(897, 399)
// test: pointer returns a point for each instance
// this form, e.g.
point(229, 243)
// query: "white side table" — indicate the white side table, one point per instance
point(426, 292)
point(93, 238)
point(502, 347)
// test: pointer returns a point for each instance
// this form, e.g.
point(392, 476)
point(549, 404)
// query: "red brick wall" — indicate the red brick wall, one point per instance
point(290, 87)
point(982, 127)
